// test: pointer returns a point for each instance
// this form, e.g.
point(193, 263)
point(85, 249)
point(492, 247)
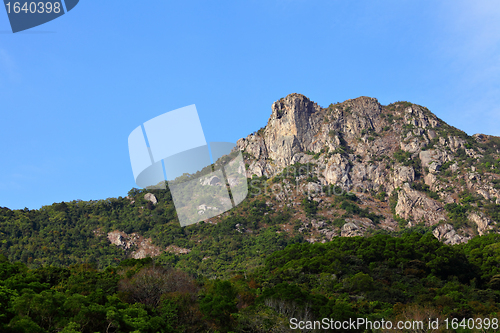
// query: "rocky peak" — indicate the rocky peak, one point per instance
point(291, 127)
point(294, 108)
point(358, 114)
point(400, 150)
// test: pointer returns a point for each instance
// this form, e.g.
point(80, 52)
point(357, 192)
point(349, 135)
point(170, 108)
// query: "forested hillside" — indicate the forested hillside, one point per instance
point(413, 277)
point(76, 232)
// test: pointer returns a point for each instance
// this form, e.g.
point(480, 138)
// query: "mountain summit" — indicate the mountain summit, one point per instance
point(400, 159)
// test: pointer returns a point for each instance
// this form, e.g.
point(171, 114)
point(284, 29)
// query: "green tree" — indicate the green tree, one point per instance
point(219, 303)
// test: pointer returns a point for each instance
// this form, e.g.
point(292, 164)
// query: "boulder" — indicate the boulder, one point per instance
point(151, 197)
point(482, 221)
point(447, 234)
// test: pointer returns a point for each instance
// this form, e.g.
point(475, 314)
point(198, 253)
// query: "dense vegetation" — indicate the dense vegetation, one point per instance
point(60, 274)
point(70, 233)
point(379, 277)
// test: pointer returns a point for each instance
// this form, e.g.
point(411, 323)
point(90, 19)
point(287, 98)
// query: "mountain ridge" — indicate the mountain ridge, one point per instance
point(356, 168)
point(389, 149)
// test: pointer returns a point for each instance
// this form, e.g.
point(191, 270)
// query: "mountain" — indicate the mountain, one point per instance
point(402, 161)
point(350, 169)
point(351, 213)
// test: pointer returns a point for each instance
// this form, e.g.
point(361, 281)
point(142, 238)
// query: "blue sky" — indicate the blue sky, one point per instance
point(72, 90)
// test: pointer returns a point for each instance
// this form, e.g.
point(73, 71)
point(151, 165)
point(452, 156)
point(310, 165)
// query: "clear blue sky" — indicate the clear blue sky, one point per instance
point(72, 90)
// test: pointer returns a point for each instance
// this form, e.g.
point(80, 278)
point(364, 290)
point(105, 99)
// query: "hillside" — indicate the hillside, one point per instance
point(357, 210)
point(353, 168)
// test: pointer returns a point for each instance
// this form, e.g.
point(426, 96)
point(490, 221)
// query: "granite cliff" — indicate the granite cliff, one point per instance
point(402, 161)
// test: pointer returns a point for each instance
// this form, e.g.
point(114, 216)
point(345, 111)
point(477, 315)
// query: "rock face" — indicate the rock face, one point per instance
point(355, 227)
point(212, 181)
point(151, 197)
point(177, 250)
point(346, 136)
point(417, 206)
point(142, 247)
point(298, 125)
point(447, 234)
point(365, 147)
point(433, 159)
point(291, 128)
point(203, 208)
point(483, 222)
point(403, 174)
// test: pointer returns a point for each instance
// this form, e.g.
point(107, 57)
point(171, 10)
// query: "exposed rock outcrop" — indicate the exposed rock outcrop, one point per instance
point(418, 207)
point(482, 221)
point(433, 159)
point(151, 197)
point(141, 247)
point(355, 227)
point(298, 127)
point(212, 181)
point(447, 234)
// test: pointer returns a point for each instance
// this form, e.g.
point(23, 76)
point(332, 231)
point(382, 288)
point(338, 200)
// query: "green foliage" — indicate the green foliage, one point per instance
point(403, 157)
point(75, 234)
point(381, 196)
point(219, 303)
point(345, 278)
point(461, 154)
point(389, 117)
point(407, 159)
point(339, 223)
point(296, 170)
point(353, 209)
point(318, 154)
point(77, 299)
point(403, 104)
point(310, 206)
point(359, 282)
point(493, 210)
point(385, 270)
point(490, 162)
point(426, 189)
point(484, 253)
point(456, 212)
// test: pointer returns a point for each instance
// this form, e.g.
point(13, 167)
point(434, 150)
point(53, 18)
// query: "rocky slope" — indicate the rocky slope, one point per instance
point(402, 161)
